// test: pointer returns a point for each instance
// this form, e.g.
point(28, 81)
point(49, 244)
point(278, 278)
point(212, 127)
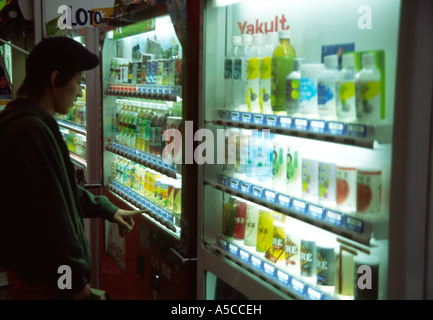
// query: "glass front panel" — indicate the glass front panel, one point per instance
point(142, 83)
point(299, 96)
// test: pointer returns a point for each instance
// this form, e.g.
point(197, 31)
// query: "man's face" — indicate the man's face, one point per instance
point(68, 94)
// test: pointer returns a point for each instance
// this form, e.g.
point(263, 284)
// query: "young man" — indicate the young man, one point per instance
point(41, 205)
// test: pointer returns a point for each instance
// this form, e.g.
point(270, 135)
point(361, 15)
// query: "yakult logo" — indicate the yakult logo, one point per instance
point(279, 23)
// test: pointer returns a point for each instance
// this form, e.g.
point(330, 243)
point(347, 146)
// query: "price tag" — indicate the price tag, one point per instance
point(246, 117)
point(284, 200)
point(224, 114)
point(271, 121)
point(299, 206)
point(313, 294)
point(354, 224)
point(316, 212)
point(244, 255)
point(245, 187)
point(283, 277)
point(356, 130)
point(286, 122)
point(257, 191)
point(270, 196)
point(297, 286)
point(256, 263)
point(318, 126)
point(233, 249)
point(269, 270)
point(335, 218)
point(336, 128)
point(258, 119)
point(223, 244)
point(235, 116)
point(234, 184)
point(300, 124)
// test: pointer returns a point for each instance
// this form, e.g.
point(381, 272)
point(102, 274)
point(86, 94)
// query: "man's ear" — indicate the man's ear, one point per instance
point(53, 78)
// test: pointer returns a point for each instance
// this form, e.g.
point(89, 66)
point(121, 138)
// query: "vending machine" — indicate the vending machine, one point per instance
point(315, 183)
point(149, 83)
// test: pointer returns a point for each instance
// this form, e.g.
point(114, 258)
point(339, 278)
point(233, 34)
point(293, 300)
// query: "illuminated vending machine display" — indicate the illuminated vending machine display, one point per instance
point(144, 86)
point(299, 197)
point(80, 127)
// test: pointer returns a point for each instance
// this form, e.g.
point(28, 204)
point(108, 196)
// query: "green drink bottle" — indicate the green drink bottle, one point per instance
point(282, 65)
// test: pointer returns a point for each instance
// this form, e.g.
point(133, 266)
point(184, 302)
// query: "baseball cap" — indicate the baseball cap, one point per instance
point(61, 54)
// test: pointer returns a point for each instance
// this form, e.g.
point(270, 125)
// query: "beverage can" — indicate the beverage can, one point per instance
point(369, 190)
point(325, 264)
point(251, 224)
point(240, 220)
point(264, 230)
point(229, 215)
point(308, 257)
point(170, 195)
point(177, 204)
point(327, 182)
point(310, 181)
point(346, 188)
point(276, 252)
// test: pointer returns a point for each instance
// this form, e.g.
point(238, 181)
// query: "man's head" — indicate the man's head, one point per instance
point(53, 67)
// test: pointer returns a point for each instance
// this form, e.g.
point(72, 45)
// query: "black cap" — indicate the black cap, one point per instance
point(61, 54)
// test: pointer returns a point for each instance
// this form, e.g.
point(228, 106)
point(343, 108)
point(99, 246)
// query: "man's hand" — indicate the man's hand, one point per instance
point(124, 219)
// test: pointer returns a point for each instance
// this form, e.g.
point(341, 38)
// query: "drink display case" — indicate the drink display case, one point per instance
point(300, 201)
point(145, 94)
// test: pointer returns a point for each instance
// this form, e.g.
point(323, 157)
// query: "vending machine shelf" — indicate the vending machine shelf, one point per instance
point(73, 127)
point(155, 213)
point(153, 162)
point(275, 274)
point(355, 228)
point(353, 134)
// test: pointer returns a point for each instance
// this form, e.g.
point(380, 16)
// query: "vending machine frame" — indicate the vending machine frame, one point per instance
point(159, 265)
point(410, 244)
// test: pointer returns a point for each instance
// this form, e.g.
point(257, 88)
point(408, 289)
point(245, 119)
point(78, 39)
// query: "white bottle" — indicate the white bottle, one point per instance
point(253, 53)
point(345, 89)
point(265, 72)
point(293, 87)
point(326, 87)
point(240, 75)
point(228, 72)
point(367, 84)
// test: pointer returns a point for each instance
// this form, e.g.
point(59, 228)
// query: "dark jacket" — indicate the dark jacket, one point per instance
point(41, 205)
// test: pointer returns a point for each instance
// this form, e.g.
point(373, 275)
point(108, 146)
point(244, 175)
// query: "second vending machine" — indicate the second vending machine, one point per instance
point(298, 200)
point(146, 92)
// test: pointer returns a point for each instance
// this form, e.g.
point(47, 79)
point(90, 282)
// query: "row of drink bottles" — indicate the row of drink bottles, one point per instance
point(267, 160)
point(77, 115)
point(148, 71)
point(150, 184)
point(294, 246)
point(141, 124)
point(264, 76)
point(75, 142)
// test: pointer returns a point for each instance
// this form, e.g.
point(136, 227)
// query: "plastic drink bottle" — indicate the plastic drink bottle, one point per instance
point(265, 72)
point(345, 89)
point(228, 72)
point(279, 165)
point(309, 76)
point(282, 65)
point(293, 87)
point(240, 75)
point(326, 87)
point(229, 215)
point(253, 73)
point(367, 83)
